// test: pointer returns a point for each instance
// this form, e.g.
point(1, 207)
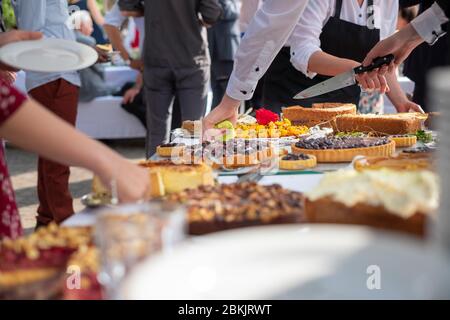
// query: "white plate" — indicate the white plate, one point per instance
point(293, 262)
point(48, 55)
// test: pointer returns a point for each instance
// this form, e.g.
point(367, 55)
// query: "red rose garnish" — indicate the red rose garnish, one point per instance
point(264, 116)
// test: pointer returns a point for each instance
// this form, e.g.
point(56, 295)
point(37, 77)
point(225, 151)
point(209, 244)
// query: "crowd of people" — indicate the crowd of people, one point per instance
point(187, 48)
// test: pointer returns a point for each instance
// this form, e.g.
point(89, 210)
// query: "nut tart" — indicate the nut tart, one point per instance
point(170, 150)
point(230, 206)
point(404, 141)
point(343, 149)
point(387, 199)
point(318, 114)
point(297, 161)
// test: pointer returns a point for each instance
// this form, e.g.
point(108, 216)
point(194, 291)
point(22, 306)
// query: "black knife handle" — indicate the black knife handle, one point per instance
point(377, 63)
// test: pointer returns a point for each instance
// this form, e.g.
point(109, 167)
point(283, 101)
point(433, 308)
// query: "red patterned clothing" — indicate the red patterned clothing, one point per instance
point(10, 101)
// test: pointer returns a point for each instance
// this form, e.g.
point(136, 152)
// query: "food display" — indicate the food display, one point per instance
point(168, 177)
point(228, 206)
point(402, 161)
point(392, 124)
point(277, 129)
point(319, 114)
point(34, 267)
point(236, 153)
point(297, 161)
point(332, 149)
point(388, 199)
point(169, 150)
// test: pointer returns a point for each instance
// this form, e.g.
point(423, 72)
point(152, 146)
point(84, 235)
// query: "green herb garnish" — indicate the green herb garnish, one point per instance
point(423, 136)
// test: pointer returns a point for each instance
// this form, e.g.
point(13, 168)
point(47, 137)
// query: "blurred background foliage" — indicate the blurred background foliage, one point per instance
point(10, 20)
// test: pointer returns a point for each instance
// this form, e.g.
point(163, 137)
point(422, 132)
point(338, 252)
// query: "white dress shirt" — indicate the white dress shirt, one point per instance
point(429, 24)
point(248, 10)
point(265, 36)
point(305, 39)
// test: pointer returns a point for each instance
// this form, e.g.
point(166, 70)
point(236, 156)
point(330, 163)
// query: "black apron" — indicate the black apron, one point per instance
point(339, 38)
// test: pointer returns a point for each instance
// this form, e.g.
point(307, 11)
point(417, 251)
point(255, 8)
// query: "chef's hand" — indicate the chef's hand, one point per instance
point(401, 44)
point(226, 110)
point(8, 76)
point(374, 80)
point(408, 106)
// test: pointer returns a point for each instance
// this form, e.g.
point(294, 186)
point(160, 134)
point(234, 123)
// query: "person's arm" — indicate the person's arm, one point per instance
point(131, 93)
point(95, 12)
point(398, 96)
point(265, 36)
point(426, 27)
point(115, 38)
point(58, 141)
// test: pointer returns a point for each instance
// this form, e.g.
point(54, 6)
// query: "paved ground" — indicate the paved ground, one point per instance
point(22, 167)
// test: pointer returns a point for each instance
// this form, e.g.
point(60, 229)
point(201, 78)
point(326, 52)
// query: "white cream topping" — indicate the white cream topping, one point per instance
point(400, 192)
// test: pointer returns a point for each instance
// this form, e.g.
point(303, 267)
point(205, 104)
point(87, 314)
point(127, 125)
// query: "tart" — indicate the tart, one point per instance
point(404, 141)
point(297, 161)
point(344, 149)
point(391, 124)
point(170, 150)
point(33, 267)
point(403, 161)
point(387, 199)
point(319, 114)
point(229, 206)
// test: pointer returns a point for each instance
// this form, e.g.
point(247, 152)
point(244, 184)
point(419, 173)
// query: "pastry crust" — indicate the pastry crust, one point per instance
point(319, 114)
point(404, 141)
point(326, 210)
point(392, 124)
point(404, 161)
point(241, 160)
point(298, 164)
point(169, 152)
point(346, 155)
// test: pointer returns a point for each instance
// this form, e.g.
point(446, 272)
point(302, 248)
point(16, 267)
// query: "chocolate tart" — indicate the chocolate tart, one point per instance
point(170, 150)
point(297, 162)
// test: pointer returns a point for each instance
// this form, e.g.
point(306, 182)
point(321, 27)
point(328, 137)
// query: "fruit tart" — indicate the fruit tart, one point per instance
point(332, 149)
point(297, 161)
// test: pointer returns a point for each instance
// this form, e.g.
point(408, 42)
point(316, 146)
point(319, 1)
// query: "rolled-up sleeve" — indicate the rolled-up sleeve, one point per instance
point(30, 15)
point(305, 39)
point(266, 34)
point(429, 24)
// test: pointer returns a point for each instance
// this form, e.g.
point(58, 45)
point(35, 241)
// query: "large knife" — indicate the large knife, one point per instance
point(343, 80)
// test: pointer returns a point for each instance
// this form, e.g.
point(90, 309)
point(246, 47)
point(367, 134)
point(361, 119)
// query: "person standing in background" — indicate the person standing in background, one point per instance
point(223, 39)
point(59, 93)
point(176, 60)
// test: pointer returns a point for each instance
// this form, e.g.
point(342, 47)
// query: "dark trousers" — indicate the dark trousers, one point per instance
point(55, 200)
point(220, 74)
point(190, 85)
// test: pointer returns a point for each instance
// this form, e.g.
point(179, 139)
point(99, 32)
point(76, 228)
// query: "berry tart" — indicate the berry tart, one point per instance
point(297, 161)
point(333, 149)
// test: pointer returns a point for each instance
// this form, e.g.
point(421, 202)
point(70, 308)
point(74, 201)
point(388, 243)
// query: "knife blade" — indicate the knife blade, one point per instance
point(342, 80)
